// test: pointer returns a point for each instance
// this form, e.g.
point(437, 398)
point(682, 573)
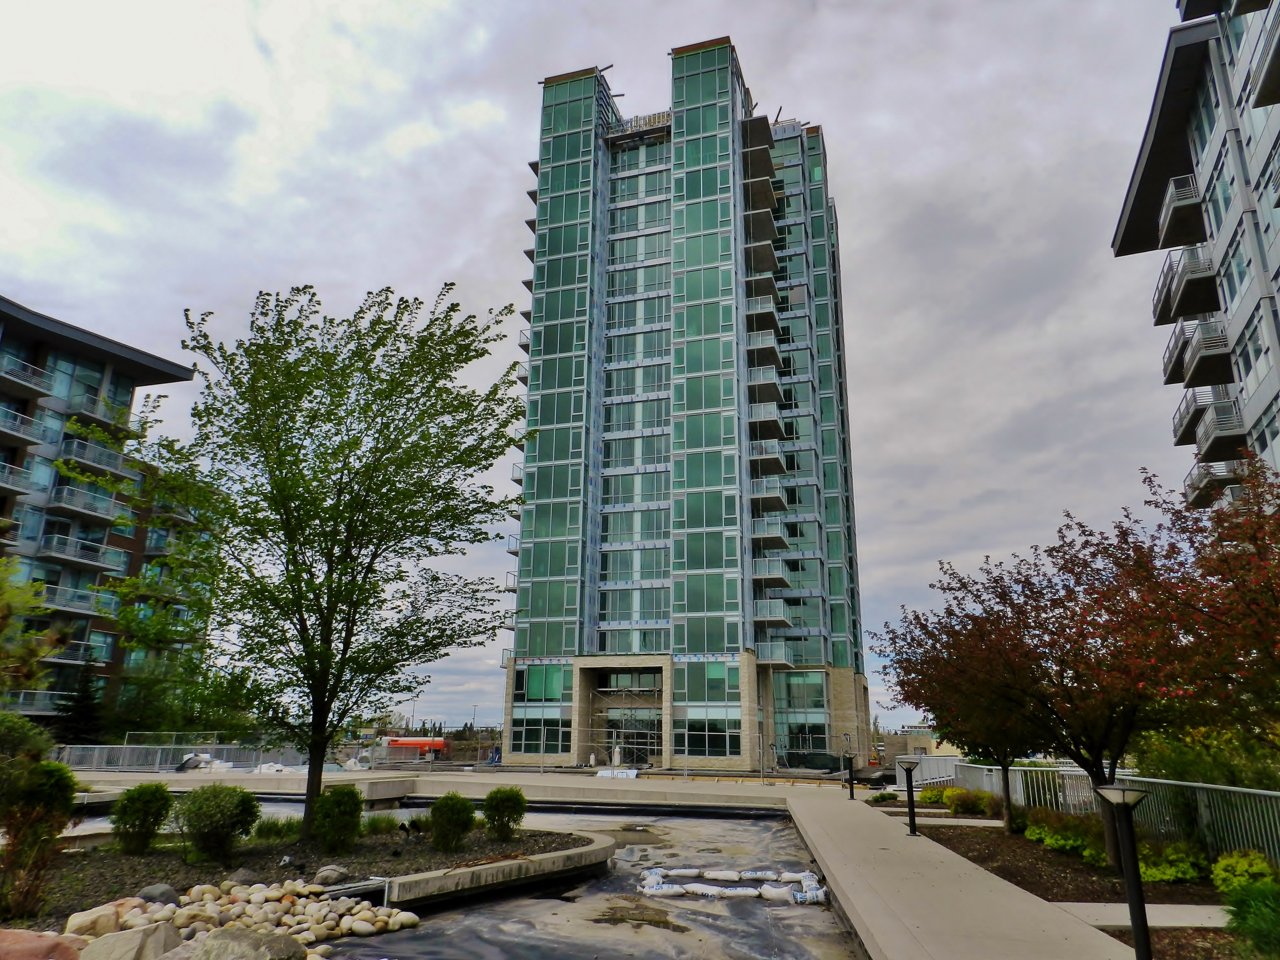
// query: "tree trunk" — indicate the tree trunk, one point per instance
point(1007, 792)
point(317, 750)
point(1110, 837)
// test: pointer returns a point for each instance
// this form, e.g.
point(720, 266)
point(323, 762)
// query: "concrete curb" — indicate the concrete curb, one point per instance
point(420, 888)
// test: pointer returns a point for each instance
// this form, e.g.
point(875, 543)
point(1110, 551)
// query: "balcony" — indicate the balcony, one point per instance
point(517, 473)
point(82, 503)
point(769, 534)
point(37, 702)
point(767, 496)
point(1181, 216)
point(760, 226)
point(760, 257)
point(1267, 73)
point(1175, 350)
point(1206, 481)
point(522, 340)
point(762, 285)
point(775, 652)
point(83, 553)
point(513, 545)
point(104, 413)
point(522, 373)
point(506, 657)
point(763, 385)
point(80, 601)
point(97, 456)
point(1194, 403)
point(770, 573)
point(509, 620)
point(513, 580)
point(24, 379)
point(1208, 358)
point(757, 162)
point(762, 349)
point(159, 543)
point(767, 459)
point(757, 193)
point(78, 651)
point(756, 132)
point(772, 613)
point(762, 314)
point(20, 429)
point(766, 422)
point(16, 480)
point(1220, 434)
point(1238, 8)
point(1187, 284)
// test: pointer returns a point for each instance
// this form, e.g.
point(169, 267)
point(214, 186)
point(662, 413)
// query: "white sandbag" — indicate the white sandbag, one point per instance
point(732, 876)
point(809, 884)
point(653, 872)
point(818, 895)
point(759, 875)
point(703, 890)
point(777, 892)
point(739, 892)
point(649, 880)
point(789, 877)
point(684, 872)
point(663, 890)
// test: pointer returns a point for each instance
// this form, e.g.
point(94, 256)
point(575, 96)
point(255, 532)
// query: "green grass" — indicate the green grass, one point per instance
point(277, 828)
point(379, 824)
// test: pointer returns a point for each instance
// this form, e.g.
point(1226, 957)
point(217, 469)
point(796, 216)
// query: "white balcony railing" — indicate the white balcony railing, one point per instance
point(1179, 192)
point(83, 551)
point(28, 374)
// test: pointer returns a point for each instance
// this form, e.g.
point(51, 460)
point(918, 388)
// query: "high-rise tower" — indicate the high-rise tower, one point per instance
point(687, 588)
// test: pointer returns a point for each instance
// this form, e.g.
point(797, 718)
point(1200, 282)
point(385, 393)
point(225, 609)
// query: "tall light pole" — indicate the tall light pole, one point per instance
point(909, 764)
point(1123, 801)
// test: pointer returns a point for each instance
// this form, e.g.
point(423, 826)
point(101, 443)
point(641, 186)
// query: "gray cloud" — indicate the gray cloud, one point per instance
point(1002, 366)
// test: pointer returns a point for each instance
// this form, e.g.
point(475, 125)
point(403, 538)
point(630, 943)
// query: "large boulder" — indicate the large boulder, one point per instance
point(97, 922)
point(141, 943)
point(244, 876)
point(158, 893)
point(29, 945)
point(235, 943)
point(329, 875)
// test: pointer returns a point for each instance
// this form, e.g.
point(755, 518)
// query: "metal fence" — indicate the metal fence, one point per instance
point(1220, 818)
point(143, 758)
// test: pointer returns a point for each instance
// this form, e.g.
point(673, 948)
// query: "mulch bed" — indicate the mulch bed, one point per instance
point(84, 879)
point(1063, 878)
point(1051, 875)
point(929, 810)
point(1187, 944)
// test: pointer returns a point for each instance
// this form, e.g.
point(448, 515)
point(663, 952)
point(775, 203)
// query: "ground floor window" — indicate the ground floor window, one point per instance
point(708, 738)
point(540, 735)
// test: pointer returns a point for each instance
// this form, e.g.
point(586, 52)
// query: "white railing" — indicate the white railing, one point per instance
point(764, 411)
point(645, 121)
point(932, 770)
point(765, 449)
point(1193, 403)
point(83, 601)
point(773, 610)
point(762, 305)
point(85, 551)
point(770, 570)
point(95, 503)
point(1220, 818)
point(1204, 475)
point(138, 758)
point(775, 651)
point(1181, 190)
point(1207, 337)
point(31, 701)
point(766, 529)
point(1222, 418)
point(23, 426)
point(27, 373)
point(98, 456)
point(16, 478)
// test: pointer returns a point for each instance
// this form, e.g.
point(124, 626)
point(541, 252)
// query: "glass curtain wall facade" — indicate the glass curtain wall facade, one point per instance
point(1205, 189)
point(69, 535)
point(686, 589)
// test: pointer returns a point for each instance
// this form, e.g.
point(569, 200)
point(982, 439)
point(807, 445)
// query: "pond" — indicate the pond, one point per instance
point(607, 916)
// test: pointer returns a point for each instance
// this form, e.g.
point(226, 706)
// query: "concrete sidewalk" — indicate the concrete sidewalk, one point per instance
point(908, 898)
point(1115, 916)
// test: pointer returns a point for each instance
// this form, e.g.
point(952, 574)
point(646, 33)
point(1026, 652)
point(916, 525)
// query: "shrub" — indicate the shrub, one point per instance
point(39, 799)
point(20, 739)
point(930, 795)
point(965, 802)
point(277, 828)
point(1068, 833)
point(1253, 913)
point(1178, 862)
point(379, 824)
point(137, 816)
point(504, 808)
point(992, 804)
point(1018, 819)
point(1239, 867)
point(452, 816)
point(211, 818)
point(886, 796)
point(337, 818)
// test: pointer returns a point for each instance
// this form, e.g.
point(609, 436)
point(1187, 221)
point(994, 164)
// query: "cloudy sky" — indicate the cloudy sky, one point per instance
point(1003, 366)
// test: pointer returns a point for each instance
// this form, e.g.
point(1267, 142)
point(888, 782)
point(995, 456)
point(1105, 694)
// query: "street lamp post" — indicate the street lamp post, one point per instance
point(1123, 801)
point(848, 752)
point(909, 764)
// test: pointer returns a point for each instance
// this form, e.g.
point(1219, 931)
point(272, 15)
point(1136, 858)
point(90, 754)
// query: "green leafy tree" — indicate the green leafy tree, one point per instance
point(22, 650)
point(334, 462)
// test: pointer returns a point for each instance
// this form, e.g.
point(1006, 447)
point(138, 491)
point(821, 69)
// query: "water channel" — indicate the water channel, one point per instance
point(607, 916)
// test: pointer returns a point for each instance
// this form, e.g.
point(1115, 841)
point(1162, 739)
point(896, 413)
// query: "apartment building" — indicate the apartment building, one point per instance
point(68, 535)
point(687, 586)
point(1205, 188)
